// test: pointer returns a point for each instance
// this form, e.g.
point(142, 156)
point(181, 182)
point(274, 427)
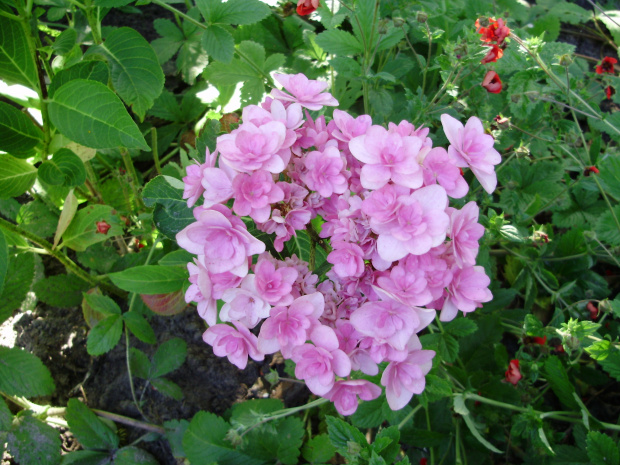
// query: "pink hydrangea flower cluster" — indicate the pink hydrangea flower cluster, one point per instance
point(400, 253)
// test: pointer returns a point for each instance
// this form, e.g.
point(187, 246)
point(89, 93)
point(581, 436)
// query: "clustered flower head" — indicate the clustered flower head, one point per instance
point(493, 35)
point(399, 252)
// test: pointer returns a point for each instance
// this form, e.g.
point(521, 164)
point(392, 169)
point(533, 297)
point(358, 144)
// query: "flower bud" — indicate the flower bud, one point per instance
point(502, 122)
point(422, 17)
point(398, 21)
point(382, 29)
point(566, 60)
point(484, 21)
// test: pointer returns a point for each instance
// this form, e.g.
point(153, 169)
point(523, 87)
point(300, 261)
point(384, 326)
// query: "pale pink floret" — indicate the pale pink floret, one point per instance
point(465, 231)
point(405, 378)
point(234, 344)
point(387, 322)
point(224, 241)
point(287, 328)
point(201, 292)
point(406, 286)
point(217, 184)
point(308, 93)
point(471, 147)
point(468, 290)
point(382, 206)
point(317, 364)
point(325, 172)
point(275, 285)
point(244, 304)
point(439, 168)
point(347, 127)
point(193, 184)
point(421, 223)
point(347, 258)
point(254, 193)
point(387, 157)
point(344, 394)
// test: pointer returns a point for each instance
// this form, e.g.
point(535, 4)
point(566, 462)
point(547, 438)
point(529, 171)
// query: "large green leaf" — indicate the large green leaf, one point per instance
point(88, 429)
point(89, 70)
point(105, 335)
point(139, 327)
point(16, 62)
point(558, 379)
point(64, 169)
point(90, 114)
point(233, 11)
point(63, 290)
point(134, 68)
point(16, 176)
point(171, 213)
point(610, 176)
point(23, 374)
point(17, 283)
point(33, 441)
point(150, 279)
point(171, 39)
point(602, 450)
point(82, 232)
point(339, 43)
point(18, 134)
point(218, 43)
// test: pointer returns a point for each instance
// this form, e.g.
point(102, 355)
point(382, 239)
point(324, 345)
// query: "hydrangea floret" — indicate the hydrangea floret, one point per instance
point(399, 253)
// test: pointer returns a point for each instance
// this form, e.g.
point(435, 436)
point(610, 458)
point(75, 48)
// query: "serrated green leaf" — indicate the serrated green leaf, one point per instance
point(557, 377)
point(171, 213)
point(103, 304)
point(6, 416)
point(290, 432)
point(16, 176)
point(23, 374)
point(341, 434)
point(204, 443)
point(17, 283)
point(150, 279)
point(611, 19)
point(87, 457)
point(223, 74)
point(4, 262)
point(175, 429)
point(82, 231)
point(169, 356)
point(318, 449)
point(17, 65)
point(602, 450)
point(339, 42)
point(134, 68)
point(88, 428)
point(131, 455)
point(218, 43)
point(233, 11)
point(168, 388)
point(33, 441)
point(38, 218)
point(610, 176)
point(251, 412)
point(607, 229)
point(105, 335)
point(89, 70)
point(64, 169)
point(18, 134)
point(139, 327)
point(461, 327)
point(63, 290)
point(65, 41)
point(369, 414)
point(140, 363)
point(90, 114)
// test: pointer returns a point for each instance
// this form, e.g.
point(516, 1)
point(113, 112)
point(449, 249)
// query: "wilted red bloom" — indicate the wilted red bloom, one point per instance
point(593, 309)
point(494, 54)
point(590, 169)
point(606, 66)
point(227, 120)
point(492, 82)
point(513, 374)
point(305, 7)
point(102, 227)
point(497, 31)
point(539, 340)
point(423, 461)
point(609, 91)
point(560, 349)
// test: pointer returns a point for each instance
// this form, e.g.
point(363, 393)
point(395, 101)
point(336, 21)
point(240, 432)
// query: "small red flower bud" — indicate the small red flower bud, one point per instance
point(305, 7)
point(492, 82)
point(590, 169)
point(539, 340)
point(513, 374)
point(609, 91)
point(494, 54)
point(423, 461)
point(593, 309)
point(102, 227)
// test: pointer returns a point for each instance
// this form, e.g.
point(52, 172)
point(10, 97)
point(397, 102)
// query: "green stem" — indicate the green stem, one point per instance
point(428, 428)
point(428, 58)
point(161, 162)
point(69, 264)
point(154, 150)
point(135, 182)
point(409, 416)
point(411, 47)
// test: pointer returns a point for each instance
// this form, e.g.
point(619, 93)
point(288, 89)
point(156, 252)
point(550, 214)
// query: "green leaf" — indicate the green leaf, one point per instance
point(253, 411)
point(140, 363)
point(65, 42)
point(89, 70)
point(18, 134)
point(218, 43)
point(607, 229)
point(33, 441)
point(64, 169)
point(90, 114)
point(169, 356)
point(23, 374)
point(233, 11)
point(112, 3)
point(223, 74)
point(82, 231)
point(63, 290)
point(136, 74)
point(140, 328)
point(150, 279)
point(105, 335)
point(461, 327)
point(557, 377)
point(87, 457)
point(103, 304)
point(610, 176)
point(37, 218)
point(204, 443)
point(602, 450)
point(131, 455)
point(318, 449)
point(170, 42)
point(369, 414)
point(17, 283)
point(342, 435)
point(171, 214)
point(168, 388)
point(290, 432)
point(339, 42)
point(16, 176)
point(88, 428)
point(175, 429)
point(611, 19)
point(5, 416)
point(16, 62)
point(4, 263)
point(69, 208)
point(176, 258)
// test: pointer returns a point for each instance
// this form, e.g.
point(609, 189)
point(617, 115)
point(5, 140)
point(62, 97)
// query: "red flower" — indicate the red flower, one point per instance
point(594, 311)
point(539, 340)
point(609, 91)
point(606, 66)
point(494, 54)
point(497, 31)
point(492, 82)
point(590, 169)
point(423, 461)
point(102, 227)
point(513, 374)
point(305, 7)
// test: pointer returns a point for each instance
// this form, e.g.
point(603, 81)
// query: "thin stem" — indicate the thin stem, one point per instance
point(428, 428)
point(428, 58)
point(131, 386)
point(69, 264)
point(135, 182)
point(154, 150)
point(409, 416)
point(162, 161)
point(411, 47)
point(572, 111)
